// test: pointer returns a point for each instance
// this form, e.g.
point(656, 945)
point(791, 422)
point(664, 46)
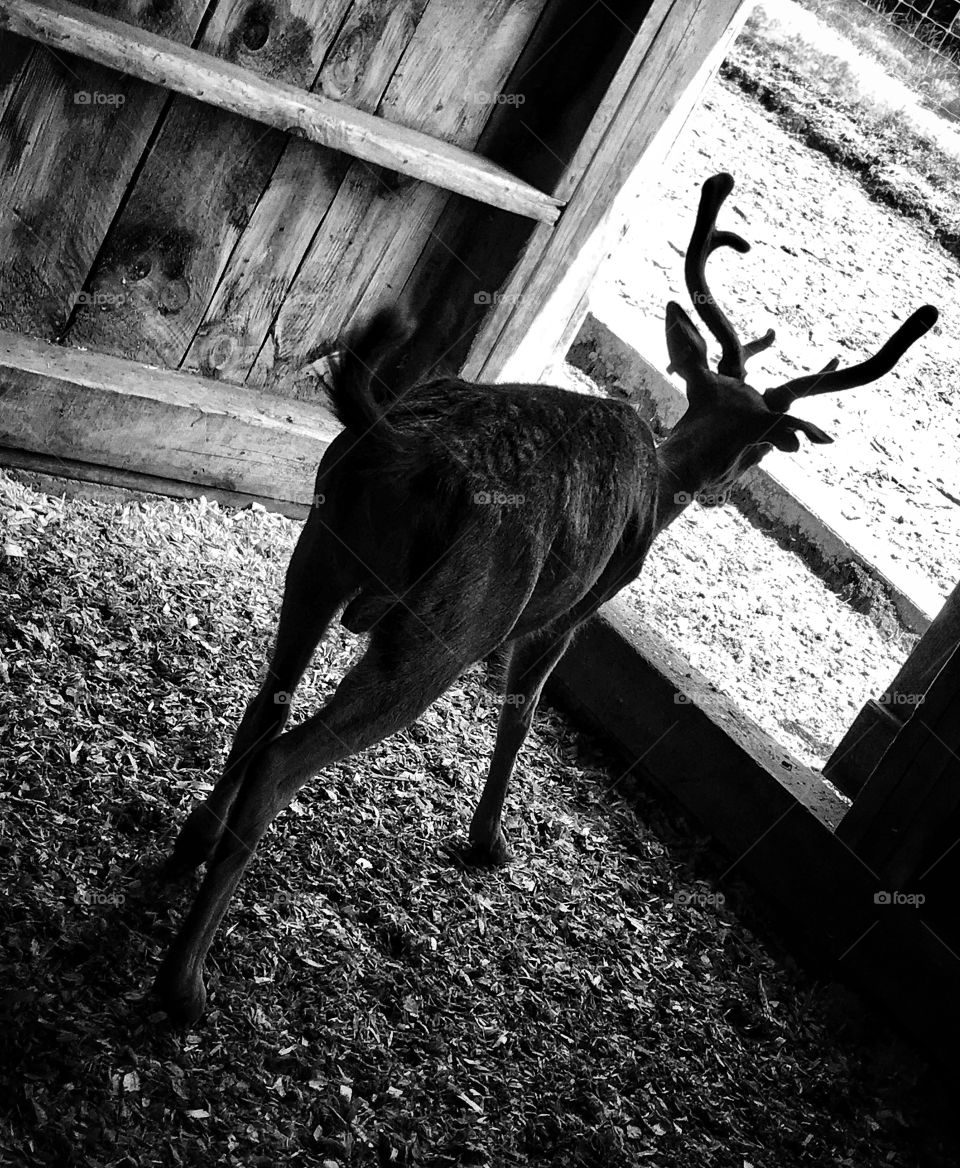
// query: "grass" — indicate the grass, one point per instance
point(832, 104)
point(598, 1003)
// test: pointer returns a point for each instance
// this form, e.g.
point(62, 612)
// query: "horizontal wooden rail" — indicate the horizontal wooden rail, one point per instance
point(164, 62)
point(96, 410)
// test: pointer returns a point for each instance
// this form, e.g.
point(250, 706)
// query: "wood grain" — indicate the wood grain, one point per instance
point(262, 266)
point(71, 134)
point(376, 228)
point(106, 411)
point(194, 195)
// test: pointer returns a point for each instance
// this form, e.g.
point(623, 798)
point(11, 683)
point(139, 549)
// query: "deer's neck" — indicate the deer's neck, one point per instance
point(680, 476)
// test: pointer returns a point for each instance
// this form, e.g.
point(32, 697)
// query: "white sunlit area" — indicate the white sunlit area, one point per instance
point(838, 130)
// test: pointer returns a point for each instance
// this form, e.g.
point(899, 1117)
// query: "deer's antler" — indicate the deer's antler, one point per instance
point(705, 240)
point(831, 378)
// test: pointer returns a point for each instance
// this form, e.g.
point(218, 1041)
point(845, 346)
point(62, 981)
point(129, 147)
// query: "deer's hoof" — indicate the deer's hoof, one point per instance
point(183, 997)
point(481, 854)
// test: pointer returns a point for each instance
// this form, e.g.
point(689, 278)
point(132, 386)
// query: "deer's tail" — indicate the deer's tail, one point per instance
point(359, 395)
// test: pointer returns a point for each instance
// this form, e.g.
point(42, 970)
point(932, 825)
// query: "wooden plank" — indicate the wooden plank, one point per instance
point(285, 107)
point(675, 41)
point(914, 788)
point(262, 266)
point(67, 476)
point(375, 232)
point(194, 195)
point(534, 134)
point(71, 134)
point(874, 728)
point(624, 680)
point(103, 410)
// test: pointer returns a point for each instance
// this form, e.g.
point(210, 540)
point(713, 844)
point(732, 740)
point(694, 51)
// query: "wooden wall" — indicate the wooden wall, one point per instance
point(146, 225)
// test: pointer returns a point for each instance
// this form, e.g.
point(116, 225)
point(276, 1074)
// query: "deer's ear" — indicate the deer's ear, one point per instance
point(688, 352)
point(783, 435)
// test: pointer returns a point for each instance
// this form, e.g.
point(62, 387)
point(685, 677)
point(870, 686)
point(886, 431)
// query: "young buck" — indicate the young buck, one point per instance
point(452, 519)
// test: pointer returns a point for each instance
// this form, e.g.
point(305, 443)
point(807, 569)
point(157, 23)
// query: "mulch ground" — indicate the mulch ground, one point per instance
point(599, 1002)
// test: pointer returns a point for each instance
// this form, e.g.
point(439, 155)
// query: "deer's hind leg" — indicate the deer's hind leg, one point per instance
point(408, 664)
point(318, 581)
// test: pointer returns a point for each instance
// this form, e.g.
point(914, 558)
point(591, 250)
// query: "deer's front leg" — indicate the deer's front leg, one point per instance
point(531, 663)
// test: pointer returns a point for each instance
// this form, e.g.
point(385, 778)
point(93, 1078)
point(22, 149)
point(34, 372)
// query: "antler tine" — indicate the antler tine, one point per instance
point(704, 240)
point(831, 378)
point(753, 347)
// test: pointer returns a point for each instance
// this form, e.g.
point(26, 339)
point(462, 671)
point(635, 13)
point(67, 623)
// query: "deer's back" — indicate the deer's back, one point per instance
point(534, 486)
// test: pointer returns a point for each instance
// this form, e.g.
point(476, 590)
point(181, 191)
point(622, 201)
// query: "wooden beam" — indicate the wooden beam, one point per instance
point(67, 476)
point(160, 61)
point(914, 789)
point(678, 46)
point(90, 408)
point(878, 723)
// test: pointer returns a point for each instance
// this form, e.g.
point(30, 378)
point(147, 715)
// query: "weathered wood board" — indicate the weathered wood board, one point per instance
point(875, 727)
point(914, 788)
point(71, 135)
point(375, 231)
point(262, 266)
point(194, 196)
point(546, 286)
point(107, 411)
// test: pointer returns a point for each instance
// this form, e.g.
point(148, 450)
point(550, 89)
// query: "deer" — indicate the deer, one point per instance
point(452, 520)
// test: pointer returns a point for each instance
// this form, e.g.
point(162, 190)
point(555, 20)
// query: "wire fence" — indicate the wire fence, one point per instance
point(926, 37)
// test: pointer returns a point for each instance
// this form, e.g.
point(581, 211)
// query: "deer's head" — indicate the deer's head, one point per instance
point(728, 425)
